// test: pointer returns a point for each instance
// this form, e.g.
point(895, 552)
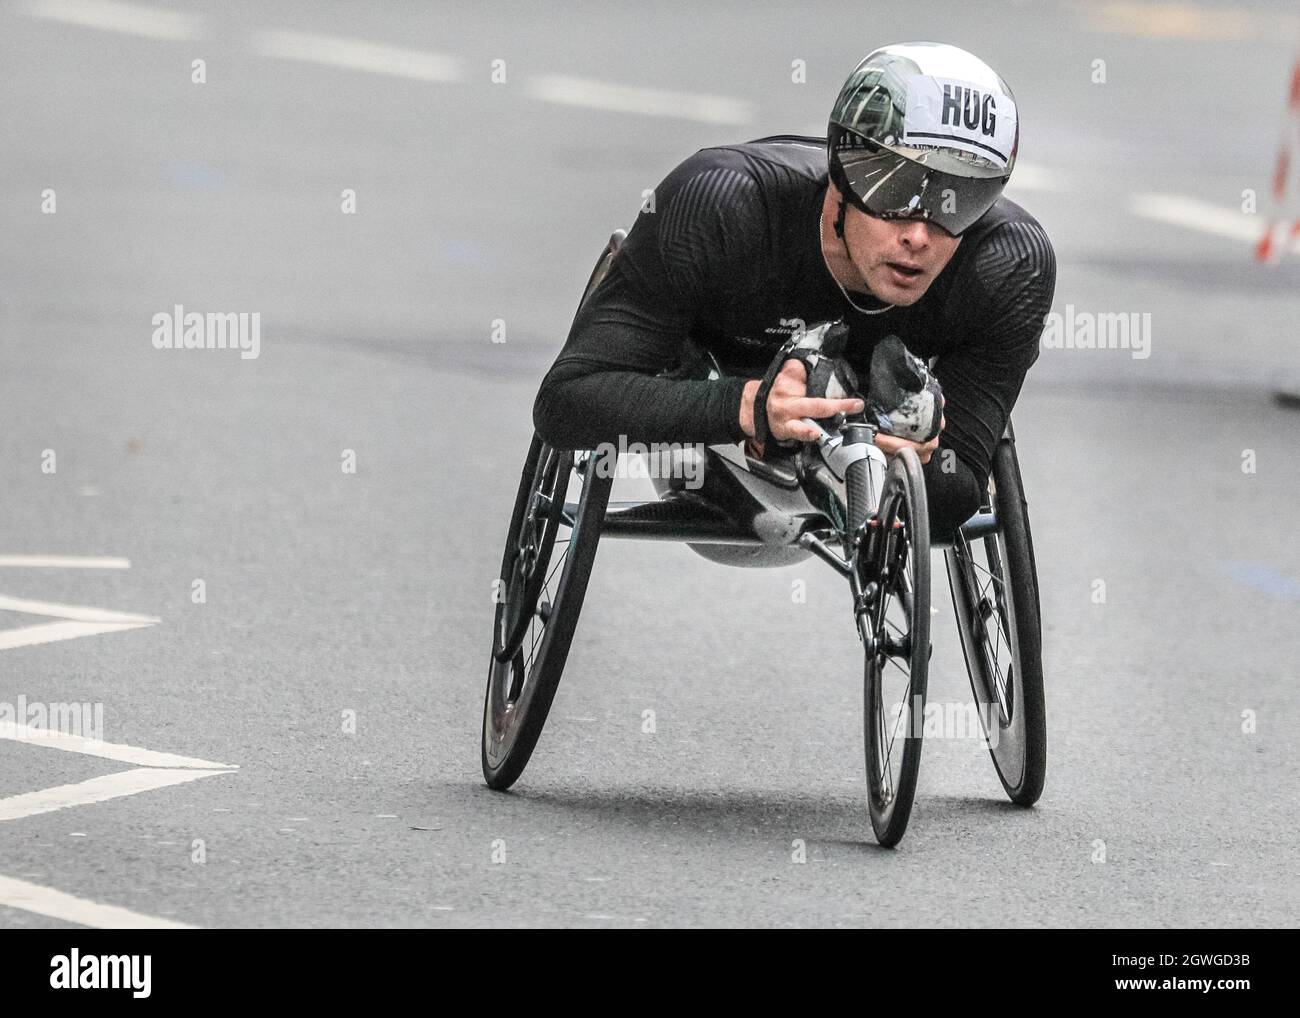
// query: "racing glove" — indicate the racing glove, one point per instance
point(903, 397)
point(829, 376)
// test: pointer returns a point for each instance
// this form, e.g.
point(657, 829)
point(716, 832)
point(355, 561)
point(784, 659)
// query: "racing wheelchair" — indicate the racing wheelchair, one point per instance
point(839, 499)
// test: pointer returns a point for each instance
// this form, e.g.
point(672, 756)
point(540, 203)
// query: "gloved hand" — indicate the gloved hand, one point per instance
point(827, 376)
point(903, 398)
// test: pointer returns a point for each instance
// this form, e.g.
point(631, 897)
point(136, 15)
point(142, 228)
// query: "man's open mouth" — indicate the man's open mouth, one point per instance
point(902, 268)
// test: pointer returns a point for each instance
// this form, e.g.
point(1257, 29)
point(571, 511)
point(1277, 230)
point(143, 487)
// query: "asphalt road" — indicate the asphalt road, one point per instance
point(336, 663)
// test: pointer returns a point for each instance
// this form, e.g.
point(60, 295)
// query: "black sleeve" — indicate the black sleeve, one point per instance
point(673, 265)
point(1011, 281)
point(1012, 278)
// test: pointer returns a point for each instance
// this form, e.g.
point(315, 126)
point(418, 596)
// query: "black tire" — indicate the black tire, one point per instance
point(893, 563)
point(995, 598)
point(522, 679)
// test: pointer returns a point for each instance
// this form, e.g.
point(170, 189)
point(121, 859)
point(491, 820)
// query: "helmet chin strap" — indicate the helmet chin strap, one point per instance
point(839, 222)
point(839, 230)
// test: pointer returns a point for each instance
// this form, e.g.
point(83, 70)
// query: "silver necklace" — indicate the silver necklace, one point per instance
point(821, 228)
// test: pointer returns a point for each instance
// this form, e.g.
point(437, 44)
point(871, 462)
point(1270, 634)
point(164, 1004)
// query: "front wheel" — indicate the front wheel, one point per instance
point(538, 601)
point(892, 567)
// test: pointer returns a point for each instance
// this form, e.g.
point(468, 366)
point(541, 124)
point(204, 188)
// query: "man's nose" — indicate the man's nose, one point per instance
point(915, 233)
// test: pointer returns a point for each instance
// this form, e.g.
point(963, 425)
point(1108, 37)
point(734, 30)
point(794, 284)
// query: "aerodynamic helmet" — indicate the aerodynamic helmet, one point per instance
point(923, 130)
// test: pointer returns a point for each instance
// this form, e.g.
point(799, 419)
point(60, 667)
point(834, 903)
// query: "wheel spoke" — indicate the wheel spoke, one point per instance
point(532, 644)
point(993, 579)
point(883, 761)
point(906, 672)
point(546, 583)
point(898, 552)
point(989, 603)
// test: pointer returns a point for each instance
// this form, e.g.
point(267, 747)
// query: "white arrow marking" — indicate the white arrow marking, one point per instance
point(75, 612)
point(52, 632)
point(53, 739)
point(47, 901)
point(101, 789)
point(75, 621)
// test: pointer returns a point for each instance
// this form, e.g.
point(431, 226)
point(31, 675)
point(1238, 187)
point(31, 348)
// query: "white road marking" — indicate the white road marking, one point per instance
point(100, 789)
point(74, 621)
point(64, 562)
point(47, 901)
point(116, 16)
point(50, 739)
point(1193, 214)
point(355, 55)
point(1032, 177)
point(52, 632)
point(153, 771)
point(654, 102)
point(1163, 20)
point(75, 612)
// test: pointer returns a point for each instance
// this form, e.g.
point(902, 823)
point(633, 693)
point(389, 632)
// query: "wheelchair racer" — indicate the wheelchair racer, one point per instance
point(894, 223)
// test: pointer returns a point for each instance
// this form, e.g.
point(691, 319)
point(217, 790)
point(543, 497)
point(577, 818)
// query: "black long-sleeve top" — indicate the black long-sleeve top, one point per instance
point(731, 256)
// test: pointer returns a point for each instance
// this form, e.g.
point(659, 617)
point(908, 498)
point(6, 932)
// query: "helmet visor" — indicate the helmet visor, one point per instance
point(891, 186)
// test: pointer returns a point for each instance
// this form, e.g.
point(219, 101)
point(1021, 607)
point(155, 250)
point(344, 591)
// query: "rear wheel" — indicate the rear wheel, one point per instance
point(893, 568)
point(995, 598)
point(539, 598)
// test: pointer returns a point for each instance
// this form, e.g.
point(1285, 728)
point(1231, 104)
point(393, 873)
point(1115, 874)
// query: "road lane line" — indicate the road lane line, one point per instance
point(116, 16)
point(64, 562)
point(1182, 21)
point(356, 55)
point(68, 908)
point(53, 739)
point(655, 102)
point(1193, 214)
point(1032, 177)
point(100, 789)
point(71, 612)
point(53, 632)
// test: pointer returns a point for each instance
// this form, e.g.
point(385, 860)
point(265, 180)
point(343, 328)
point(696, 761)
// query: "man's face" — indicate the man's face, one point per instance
point(897, 258)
